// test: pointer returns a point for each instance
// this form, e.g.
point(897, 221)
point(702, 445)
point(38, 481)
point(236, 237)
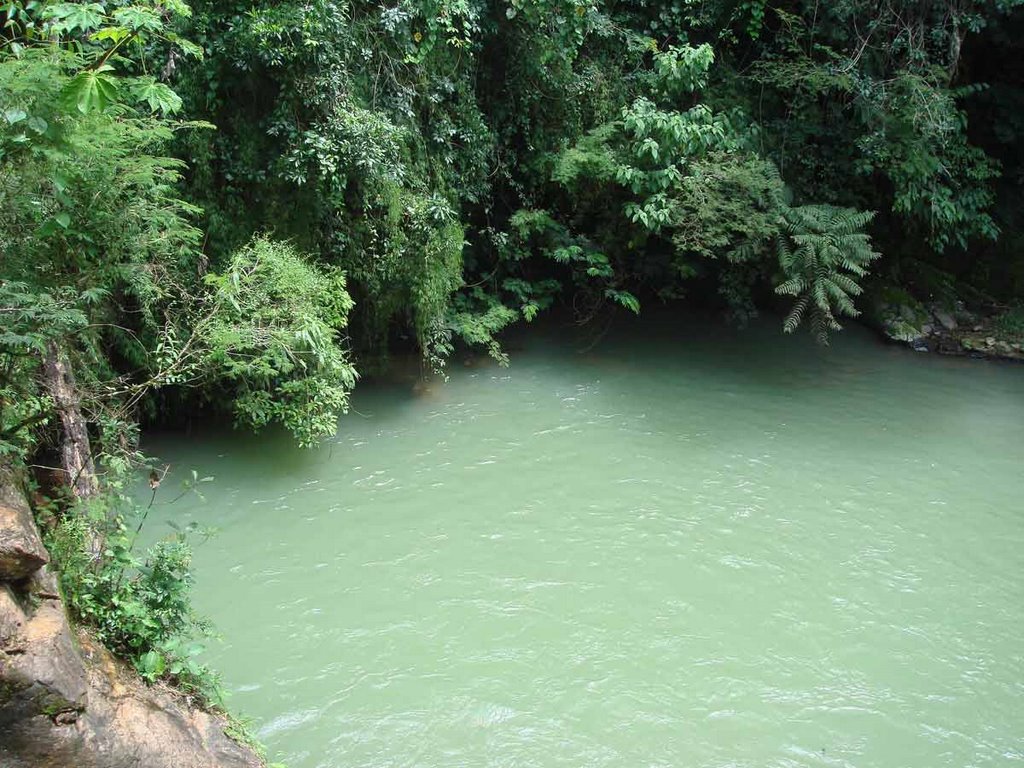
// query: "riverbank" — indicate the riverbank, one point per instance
point(995, 333)
point(64, 699)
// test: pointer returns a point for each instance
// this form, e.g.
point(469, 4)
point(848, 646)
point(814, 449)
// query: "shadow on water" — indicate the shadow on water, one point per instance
point(272, 454)
point(761, 355)
point(663, 344)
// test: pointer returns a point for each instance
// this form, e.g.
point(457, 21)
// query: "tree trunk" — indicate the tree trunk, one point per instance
point(956, 42)
point(76, 453)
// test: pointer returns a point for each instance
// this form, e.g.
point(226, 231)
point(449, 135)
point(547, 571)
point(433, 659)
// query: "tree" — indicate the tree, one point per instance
point(268, 341)
point(822, 251)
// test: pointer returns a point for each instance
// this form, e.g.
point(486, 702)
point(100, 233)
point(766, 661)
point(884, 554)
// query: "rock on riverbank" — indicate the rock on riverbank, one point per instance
point(948, 330)
point(64, 701)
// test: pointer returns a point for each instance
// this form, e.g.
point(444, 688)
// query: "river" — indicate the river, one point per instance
point(682, 545)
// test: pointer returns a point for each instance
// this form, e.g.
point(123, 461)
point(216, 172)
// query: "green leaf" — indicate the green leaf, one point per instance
point(113, 34)
point(626, 299)
point(15, 115)
point(53, 224)
point(159, 96)
point(177, 7)
point(68, 17)
point(151, 665)
point(138, 18)
point(92, 90)
point(94, 296)
point(187, 46)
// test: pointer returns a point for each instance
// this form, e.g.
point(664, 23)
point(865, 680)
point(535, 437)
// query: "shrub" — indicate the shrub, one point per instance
point(139, 607)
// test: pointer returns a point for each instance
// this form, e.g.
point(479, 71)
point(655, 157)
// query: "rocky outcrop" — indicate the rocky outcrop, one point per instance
point(949, 330)
point(64, 701)
point(21, 549)
point(121, 723)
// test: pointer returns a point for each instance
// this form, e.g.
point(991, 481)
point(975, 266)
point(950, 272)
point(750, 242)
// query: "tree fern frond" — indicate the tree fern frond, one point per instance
point(846, 284)
point(792, 287)
point(796, 314)
point(821, 250)
point(839, 298)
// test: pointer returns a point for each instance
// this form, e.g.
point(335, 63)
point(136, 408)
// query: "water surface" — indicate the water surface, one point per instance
point(683, 546)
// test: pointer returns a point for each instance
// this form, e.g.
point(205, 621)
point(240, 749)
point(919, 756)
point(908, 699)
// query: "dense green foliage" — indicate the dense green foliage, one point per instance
point(598, 153)
point(139, 606)
point(235, 204)
point(268, 331)
point(447, 168)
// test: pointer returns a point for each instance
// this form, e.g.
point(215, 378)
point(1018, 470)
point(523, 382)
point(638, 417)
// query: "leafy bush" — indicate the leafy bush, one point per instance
point(139, 607)
point(270, 337)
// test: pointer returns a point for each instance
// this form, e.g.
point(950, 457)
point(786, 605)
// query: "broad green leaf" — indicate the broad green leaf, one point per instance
point(113, 34)
point(69, 17)
point(177, 7)
point(159, 96)
point(187, 46)
point(138, 18)
point(54, 224)
point(151, 664)
point(15, 115)
point(92, 90)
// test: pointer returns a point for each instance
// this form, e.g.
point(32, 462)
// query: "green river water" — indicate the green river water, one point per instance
point(684, 546)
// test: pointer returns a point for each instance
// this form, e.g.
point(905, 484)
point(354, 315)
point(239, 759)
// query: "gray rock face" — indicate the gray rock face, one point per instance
point(123, 724)
point(64, 701)
point(21, 550)
point(946, 320)
point(12, 619)
point(44, 673)
point(43, 584)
